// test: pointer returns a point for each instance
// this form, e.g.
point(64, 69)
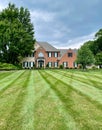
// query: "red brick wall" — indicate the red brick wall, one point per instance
point(70, 60)
point(52, 59)
point(40, 49)
point(47, 59)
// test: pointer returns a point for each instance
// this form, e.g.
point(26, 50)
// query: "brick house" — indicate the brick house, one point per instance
point(45, 55)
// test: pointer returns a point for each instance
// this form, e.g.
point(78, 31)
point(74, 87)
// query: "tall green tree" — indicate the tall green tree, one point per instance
point(98, 40)
point(98, 58)
point(85, 56)
point(16, 34)
point(93, 46)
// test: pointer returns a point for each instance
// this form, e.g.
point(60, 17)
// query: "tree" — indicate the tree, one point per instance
point(16, 34)
point(98, 58)
point(99, 34)
point(90, 48)
point(93, 46)
point(99, 40)
point(85, 56)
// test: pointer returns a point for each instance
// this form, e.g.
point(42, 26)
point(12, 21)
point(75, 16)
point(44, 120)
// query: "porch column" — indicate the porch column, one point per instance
point(37, 63)
point(44, 63)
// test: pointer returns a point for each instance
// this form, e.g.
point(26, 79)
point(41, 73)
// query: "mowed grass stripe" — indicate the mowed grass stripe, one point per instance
point(50, 112)
point(9, 79)
point(27, 111)
point(92, 79)
point(8, 98)
point(11, 76)
point(4, 74)
point(39, 87)
point(55, 104)
point(5, 87)
point(85, 88)
point(15, 118)
point(68, 117)
point(83, 77)
point(83, 111)
point(90, 91)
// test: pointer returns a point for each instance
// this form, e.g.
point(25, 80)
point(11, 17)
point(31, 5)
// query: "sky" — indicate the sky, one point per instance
point(62, 23)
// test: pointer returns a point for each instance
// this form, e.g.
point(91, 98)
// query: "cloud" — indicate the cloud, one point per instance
point(80, 40)
point(60, 32)
point(75, 42)
point(39, 15)
point(63, 24)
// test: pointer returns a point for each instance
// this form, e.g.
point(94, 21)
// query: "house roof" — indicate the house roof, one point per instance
point(48, 47)
point(63, 51)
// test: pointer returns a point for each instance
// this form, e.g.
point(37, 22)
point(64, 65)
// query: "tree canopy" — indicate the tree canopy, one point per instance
point(85, 56)
point(95, 47)
point(98, 58)
point(16, 34)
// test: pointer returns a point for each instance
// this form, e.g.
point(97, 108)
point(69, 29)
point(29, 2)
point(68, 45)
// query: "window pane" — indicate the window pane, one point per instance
point(74, 64)
point(50, 64)
point(65, 64)
point(32, 55)
point(40, 54)
point(31, 64)
point(56, 54)
point(26, 64)
point(49, 54)
point(23, 64)
point(69, 54)
point(56, 64)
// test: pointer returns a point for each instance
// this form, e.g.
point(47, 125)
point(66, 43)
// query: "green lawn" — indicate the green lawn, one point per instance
point(50, 100)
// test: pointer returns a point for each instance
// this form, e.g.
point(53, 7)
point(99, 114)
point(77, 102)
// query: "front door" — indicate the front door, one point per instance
point(41, 64)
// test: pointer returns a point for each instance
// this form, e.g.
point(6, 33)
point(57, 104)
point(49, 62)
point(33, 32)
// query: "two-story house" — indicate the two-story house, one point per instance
point(45, 55)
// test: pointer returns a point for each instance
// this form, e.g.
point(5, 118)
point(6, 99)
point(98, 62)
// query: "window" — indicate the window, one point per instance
point(56, 54)
point(65, 64)
point(56, 64)
point(28, 55)
point(50, 64)
point(32, 55)
point(32, 64)
point(28, 64)
point(70, 54)
point(49, 54)
point(74, 64)
point(40, 54)
point(25, 64)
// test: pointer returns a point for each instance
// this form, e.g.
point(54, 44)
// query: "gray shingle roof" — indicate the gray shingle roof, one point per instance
point(63, 51)
point(48, 47)
point(75, 50)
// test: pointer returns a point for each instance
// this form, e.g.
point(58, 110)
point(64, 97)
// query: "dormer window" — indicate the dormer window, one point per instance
point(40, 54)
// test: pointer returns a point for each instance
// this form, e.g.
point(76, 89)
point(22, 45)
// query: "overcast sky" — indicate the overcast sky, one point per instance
point(63, 23)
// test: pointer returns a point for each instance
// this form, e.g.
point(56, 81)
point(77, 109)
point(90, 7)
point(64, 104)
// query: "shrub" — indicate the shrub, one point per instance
point(94, 67)
point(61, 67)
point(67, 67)
point(6, 66)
